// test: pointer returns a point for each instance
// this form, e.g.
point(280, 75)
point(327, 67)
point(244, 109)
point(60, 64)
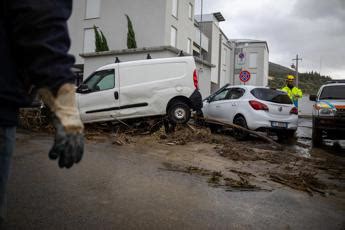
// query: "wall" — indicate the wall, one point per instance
point(224, 62)
point(204, 77)
point(184, 25)
point(305, 106)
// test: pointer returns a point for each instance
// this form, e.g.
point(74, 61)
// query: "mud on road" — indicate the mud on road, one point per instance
point(250, 165)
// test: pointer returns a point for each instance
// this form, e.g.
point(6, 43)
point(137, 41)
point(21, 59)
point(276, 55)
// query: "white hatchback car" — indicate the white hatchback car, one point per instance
point(256, 108)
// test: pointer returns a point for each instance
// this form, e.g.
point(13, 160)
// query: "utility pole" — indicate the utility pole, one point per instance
point(296, 67)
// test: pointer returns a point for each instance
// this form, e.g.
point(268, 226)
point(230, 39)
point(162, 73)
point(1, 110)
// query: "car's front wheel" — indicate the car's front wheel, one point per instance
point(179, 113)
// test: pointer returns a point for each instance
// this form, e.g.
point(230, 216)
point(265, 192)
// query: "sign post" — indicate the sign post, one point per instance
point(244, 76)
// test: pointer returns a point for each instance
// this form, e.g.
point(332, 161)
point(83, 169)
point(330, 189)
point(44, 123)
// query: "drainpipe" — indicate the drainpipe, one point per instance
point(234, 64)
point(220, 59)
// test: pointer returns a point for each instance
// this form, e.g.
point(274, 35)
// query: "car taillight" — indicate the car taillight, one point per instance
point(294, 110)
point(258, 105)
point(195, 79)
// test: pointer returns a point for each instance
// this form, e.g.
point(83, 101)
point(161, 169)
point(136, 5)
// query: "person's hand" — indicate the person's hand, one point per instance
point(68, 146)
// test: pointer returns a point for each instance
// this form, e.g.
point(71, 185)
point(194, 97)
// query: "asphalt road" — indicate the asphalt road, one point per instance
point(123, 188)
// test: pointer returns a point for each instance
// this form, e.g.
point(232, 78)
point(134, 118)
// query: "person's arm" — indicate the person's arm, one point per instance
point(40, 44)
point(40, 40)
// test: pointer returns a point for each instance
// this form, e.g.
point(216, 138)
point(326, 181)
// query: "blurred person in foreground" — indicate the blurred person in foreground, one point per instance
point(34, 44)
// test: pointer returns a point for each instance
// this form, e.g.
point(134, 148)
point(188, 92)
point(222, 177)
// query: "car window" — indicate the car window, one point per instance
point(221, 95)
point(101, 80)
point(235, 93)
point(336, 92)
point(271, 95)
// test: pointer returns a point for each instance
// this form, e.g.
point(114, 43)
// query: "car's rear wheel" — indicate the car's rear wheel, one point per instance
point(179, 113)
point(239, 133)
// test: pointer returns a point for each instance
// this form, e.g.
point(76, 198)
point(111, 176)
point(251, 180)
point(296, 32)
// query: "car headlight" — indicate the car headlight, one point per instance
point(326, 111)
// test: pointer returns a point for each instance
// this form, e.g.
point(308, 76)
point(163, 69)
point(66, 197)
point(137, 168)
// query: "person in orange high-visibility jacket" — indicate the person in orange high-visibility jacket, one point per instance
point(293, 92)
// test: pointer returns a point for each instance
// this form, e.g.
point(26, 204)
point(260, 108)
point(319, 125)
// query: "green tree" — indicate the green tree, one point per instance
point(98, 40)
point(131, 43)
point(104, 42)
point(101, 43)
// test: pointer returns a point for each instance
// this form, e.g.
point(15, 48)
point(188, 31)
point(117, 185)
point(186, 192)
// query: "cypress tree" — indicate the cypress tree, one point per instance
point(98, 40)
point(131, 43)
point(101, 43)
point(104, 42)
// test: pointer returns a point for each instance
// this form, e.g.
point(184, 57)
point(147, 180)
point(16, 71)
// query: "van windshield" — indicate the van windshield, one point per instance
point(336, 92)
point(271, 95)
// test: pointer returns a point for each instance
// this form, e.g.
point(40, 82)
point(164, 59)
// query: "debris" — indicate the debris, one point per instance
point(302, 181)
point(239, 185)
point(215, 178)
point(241, 173)
point(234, 126)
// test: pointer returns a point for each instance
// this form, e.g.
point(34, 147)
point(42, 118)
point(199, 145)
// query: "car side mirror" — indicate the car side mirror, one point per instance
point(83, 88)
point(312, 97)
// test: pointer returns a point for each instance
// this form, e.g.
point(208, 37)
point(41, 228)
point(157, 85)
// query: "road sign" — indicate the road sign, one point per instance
point(244, 76)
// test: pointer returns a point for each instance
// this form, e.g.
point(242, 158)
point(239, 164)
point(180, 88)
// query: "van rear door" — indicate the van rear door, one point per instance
point(101, 101)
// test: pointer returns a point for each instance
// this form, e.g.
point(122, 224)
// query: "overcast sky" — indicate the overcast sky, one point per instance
point(314, 29)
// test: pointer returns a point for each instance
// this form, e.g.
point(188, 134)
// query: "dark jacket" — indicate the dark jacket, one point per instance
point(34, 43)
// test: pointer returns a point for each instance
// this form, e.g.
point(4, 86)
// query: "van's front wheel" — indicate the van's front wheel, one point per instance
point(179, 113)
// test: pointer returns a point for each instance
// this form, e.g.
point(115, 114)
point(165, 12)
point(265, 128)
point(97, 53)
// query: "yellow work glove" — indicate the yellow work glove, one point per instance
point(68, 146)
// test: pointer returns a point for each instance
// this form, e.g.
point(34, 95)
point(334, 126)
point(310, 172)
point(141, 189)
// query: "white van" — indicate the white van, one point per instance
point(153, 87)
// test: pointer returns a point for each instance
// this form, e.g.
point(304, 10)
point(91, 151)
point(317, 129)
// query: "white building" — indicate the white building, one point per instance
point(162, 28)
point(155, 22)
point(250, 55)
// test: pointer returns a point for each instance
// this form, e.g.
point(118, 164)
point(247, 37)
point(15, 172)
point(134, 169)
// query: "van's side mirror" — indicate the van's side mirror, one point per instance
point(312, 97)
point(83, 88)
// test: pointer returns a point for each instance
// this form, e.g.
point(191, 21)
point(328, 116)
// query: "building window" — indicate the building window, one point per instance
point(93, 8)
point(253, 60)
point(173, 37)
point(189, 45)
point(174, 8)
point(89, 40)
point(190, 11)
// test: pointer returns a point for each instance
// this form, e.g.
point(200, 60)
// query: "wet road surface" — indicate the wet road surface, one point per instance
point(123, 188)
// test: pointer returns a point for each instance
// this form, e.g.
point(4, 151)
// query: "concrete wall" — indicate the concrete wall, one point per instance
point(94, 62)
point(204, 76)
point(305, 106)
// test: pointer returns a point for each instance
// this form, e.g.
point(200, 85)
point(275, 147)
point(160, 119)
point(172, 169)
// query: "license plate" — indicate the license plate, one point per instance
point(279, 124)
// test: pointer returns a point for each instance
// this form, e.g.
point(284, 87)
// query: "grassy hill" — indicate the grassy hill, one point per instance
point(308, 82)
